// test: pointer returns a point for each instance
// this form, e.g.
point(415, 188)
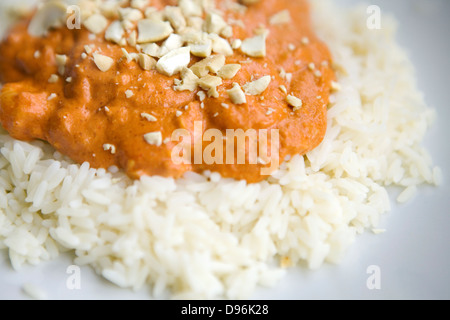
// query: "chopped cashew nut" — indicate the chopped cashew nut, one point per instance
point(174, 41)
point(109, 9)
point(210, 83)
point(96, 23)
point(174, 61)
point(190, 8)
point(258, 86)
point(146, 62)
point(269, 111)
point(194, 23)
point(61, 60)
point(126, 55)
point(255, 46)
point(261, 30)
point(88, 49)
point(201, 95)
point(139, 4)
point(103, 62)
point(110, 147)
point(154, 14)
point(285, 75)
point(227, 32)
point(214, 23)
point(211, 64)
point(134, 56)
point(114, 32)
point(188, 81)
point(148, 117)
point(153, 30)
point(53, 78)
point(221, 45)
point(195, 36)
point(281, 17)
point(132, 38)
point(236, 94)
point(295, 102)
point(236, 44)
point(176, 17)
point(130, 14)
point(127, 25)
point(153, 138)
point(152, 49)
point(228, 71)
point(215, 63)
point(129, 93)
point(202, 49)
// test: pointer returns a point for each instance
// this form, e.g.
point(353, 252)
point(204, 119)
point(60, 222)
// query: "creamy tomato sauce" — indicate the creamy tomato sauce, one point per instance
point(87, 108)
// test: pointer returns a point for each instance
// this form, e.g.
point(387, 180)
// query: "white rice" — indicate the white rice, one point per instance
point(207, 237)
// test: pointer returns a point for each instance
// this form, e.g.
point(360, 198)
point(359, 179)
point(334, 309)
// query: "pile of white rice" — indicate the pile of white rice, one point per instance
point(207, 237)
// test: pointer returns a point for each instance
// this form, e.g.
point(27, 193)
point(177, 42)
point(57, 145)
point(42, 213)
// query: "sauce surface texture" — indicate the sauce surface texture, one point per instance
point(102, 117)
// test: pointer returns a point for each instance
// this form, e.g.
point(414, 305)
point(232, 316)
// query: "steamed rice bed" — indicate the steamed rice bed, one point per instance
point(207, 237)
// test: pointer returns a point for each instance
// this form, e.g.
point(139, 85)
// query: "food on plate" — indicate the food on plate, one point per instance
point(341, 92)
point(138, 73)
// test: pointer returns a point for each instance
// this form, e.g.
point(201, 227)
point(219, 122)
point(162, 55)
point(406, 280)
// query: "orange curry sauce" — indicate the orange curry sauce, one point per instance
point(72, 116)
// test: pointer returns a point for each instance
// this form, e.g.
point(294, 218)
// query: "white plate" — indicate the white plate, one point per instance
point(412, 257)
